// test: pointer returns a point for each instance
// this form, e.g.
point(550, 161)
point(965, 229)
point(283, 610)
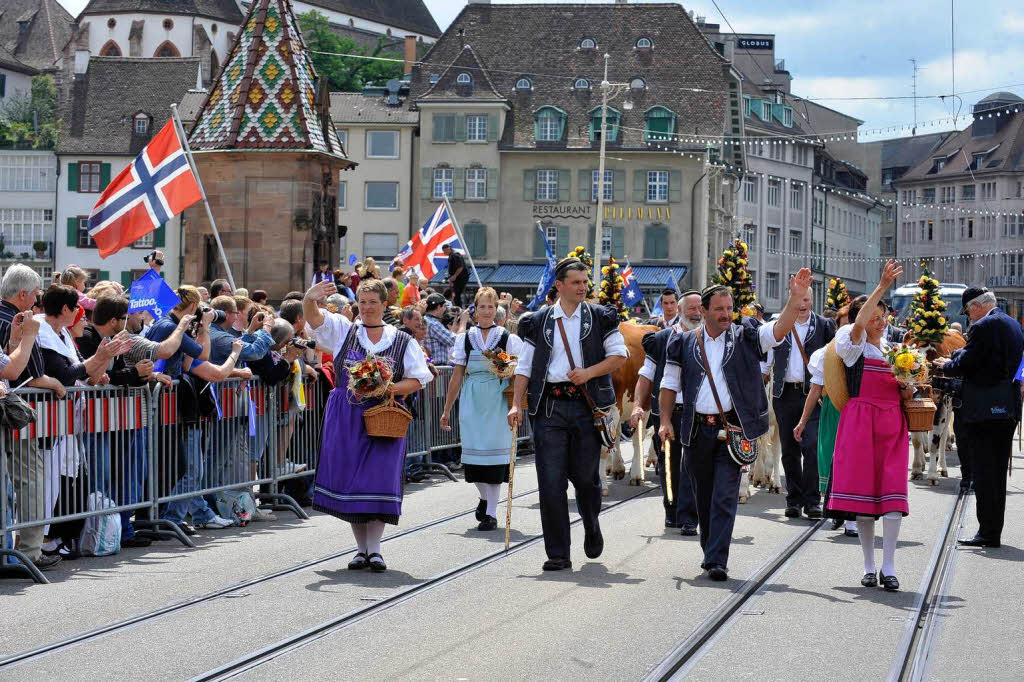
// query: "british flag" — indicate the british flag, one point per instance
point(154, 188)
point(423, 252)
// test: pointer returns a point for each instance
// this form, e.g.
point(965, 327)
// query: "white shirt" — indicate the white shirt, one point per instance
point(705, 403)
point(816, 366)
point(850, 352)
point(558, 361)
point(476, 340)
point(331, 334)
point(649, 368)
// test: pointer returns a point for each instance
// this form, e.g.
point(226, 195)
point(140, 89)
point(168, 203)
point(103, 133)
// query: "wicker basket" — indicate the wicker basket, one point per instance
point(387, 420)
point(920, 410)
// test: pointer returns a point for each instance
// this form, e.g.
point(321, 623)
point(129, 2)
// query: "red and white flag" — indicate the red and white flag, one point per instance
point(423, 252)
point(154, 188)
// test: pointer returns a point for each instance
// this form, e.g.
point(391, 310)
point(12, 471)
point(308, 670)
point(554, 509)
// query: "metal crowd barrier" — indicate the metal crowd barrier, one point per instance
point(109, 450)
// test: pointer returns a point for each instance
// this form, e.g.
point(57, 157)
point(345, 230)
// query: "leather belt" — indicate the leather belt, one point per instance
point(715, 420)
point(564, 390)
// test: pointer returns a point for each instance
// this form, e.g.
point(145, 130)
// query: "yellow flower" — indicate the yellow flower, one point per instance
point(905, 361)
point(942, 320)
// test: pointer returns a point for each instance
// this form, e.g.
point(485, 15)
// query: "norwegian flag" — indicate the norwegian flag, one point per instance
point(154, 188)
point(423, 252)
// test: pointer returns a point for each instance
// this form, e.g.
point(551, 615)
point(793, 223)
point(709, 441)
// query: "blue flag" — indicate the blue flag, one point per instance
point(1019, 376)
point(547, 280)
point(670, 283)
point(352, 260)
point(631, 293)
point(152, 294)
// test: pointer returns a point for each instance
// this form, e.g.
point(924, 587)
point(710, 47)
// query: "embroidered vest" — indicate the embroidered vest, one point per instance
point(819, 332)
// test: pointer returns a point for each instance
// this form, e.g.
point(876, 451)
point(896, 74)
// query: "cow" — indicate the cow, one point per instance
point(624, 382)
point(930, 446)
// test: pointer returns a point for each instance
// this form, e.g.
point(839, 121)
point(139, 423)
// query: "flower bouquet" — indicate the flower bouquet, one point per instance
point(909, 366)
point(370, 378)
point(503, 366)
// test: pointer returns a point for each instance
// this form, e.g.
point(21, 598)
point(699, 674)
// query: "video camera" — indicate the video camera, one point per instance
point(303, 343)
point(219, 316)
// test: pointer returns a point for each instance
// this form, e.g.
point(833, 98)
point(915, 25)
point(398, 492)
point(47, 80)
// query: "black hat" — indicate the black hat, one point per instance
point(713, 290)
point(970, 293)
point(565, 263)
point(689, 292)
point(435, 301)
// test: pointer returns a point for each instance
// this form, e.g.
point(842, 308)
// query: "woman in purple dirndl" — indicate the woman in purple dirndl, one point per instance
point(359, 477)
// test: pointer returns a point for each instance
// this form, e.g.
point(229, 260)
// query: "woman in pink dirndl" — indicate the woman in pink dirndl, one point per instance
point(869, 474)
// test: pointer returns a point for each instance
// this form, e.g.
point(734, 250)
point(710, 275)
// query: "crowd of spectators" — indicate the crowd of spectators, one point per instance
point(59, 335)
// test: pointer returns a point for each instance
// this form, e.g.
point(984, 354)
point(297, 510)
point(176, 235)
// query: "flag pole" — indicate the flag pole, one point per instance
point(462, 240)
point(183, 139)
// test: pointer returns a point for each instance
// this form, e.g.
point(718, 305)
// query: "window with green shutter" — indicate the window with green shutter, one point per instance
point(160, 236)
point(562, 242)
point(104, 175)
point(656, 242)
point(659, 124)
point(126, 278)
point(612, 121)
point(72, 232)
point(549, 124)
point(444, 127)
point(476, 239)
point(613, 241)
point(72, 177)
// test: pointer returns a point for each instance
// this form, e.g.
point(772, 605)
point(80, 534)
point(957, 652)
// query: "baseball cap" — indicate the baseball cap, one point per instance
point(435, 301)
point(970, 293)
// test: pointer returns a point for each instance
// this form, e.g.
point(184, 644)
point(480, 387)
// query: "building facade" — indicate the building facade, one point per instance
point(33, 33)
point(376, 198)
point(28, 183)
point(961, 209)
point(116, 105)
point(514, 146)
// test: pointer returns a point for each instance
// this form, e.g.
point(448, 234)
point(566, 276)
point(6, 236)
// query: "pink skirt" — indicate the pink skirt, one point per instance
point(869, 474)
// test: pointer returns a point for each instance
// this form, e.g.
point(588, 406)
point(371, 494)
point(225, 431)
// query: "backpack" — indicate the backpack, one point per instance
point(236, 505)
point(101, 535)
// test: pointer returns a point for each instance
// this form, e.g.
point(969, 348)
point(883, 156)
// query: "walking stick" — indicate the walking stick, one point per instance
point(667, 447)
point(511, 480)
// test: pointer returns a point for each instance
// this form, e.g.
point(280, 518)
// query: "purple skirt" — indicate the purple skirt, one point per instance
point(358, 478)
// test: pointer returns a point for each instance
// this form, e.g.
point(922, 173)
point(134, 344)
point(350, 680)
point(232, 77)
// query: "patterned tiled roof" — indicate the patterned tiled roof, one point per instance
point(266, 96)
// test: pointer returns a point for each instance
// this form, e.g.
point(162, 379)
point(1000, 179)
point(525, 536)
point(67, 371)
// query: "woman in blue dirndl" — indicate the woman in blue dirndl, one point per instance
point(359, 477)
point(483, 410)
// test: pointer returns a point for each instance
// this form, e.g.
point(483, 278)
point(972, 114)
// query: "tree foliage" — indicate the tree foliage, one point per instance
point(28, 119)
point(345, 74)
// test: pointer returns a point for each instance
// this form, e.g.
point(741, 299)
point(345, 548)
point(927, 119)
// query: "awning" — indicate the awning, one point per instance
point(529, 274)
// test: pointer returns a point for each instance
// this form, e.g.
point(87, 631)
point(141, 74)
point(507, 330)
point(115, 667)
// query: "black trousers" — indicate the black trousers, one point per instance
point(683, 508)
point(568, 448)
point(458, 286)
point(963, 449)
point(799, 460)
point(715, 479)
point(991, 443)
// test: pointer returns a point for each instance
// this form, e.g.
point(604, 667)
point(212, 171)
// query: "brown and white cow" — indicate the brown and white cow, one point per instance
point(930, 446)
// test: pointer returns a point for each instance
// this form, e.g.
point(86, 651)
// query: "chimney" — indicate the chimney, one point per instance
point(81, 62)
point(410, 53)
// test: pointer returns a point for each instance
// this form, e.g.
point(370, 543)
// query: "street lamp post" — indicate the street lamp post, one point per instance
point(608, 90)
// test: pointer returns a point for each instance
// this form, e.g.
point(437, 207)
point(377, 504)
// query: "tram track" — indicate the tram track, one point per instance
point(317, 632)
point(120, 625)
point(910, 662)
point(703, 636)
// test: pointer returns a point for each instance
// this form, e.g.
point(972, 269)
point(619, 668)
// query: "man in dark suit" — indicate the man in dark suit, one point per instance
point(458, 275)
point(991, 403)
point(789, 392)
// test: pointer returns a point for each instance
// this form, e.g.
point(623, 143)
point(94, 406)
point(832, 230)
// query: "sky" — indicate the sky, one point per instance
point(839, 49)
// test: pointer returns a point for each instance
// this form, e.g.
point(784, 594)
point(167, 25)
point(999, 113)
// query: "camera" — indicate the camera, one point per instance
point(948, 385)
point(303, 343)
point(219, 316)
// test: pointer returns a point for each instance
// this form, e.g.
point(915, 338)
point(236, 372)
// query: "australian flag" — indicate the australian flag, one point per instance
point(154, 188)
point(631, 293)
point(423, 252)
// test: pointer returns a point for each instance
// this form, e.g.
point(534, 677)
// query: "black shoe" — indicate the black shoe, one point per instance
point(813, 512)
point(481, 510)
point(593, 543)
point(889, 582)
point(792, 512)
point(47, 562)
point(358, 562)
point(377, 564)
point(869, 580)
point(136, 541)
point(850, 533)
point(718, 573)
point(837, 524)
point(688, 530)
point(557, 564)
point(978, 541)
point(489, 523)
point(669, 523)
point(188, 529)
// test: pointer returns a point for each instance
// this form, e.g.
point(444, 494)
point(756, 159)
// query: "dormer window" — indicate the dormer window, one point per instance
point(787, 117)
point(659, 124)
point(549, 124)
point(644, 44)
point(766, 111)
point(638, 84)
point(588, 44)
point(140, 126)
point(464, 79)
point(581, 84)
point(524, 85)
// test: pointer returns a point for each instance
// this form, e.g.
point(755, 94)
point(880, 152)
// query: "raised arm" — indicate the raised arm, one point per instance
point(310, 310)
point(890, 273)
point(169, 346)
point(798, 286)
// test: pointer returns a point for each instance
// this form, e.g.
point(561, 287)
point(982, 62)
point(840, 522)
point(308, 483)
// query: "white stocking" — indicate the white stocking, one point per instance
point(866, 529)
point(890, 534)
point(482, 488)
point(374, 532)
point(359, 530)
point(492, 494)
